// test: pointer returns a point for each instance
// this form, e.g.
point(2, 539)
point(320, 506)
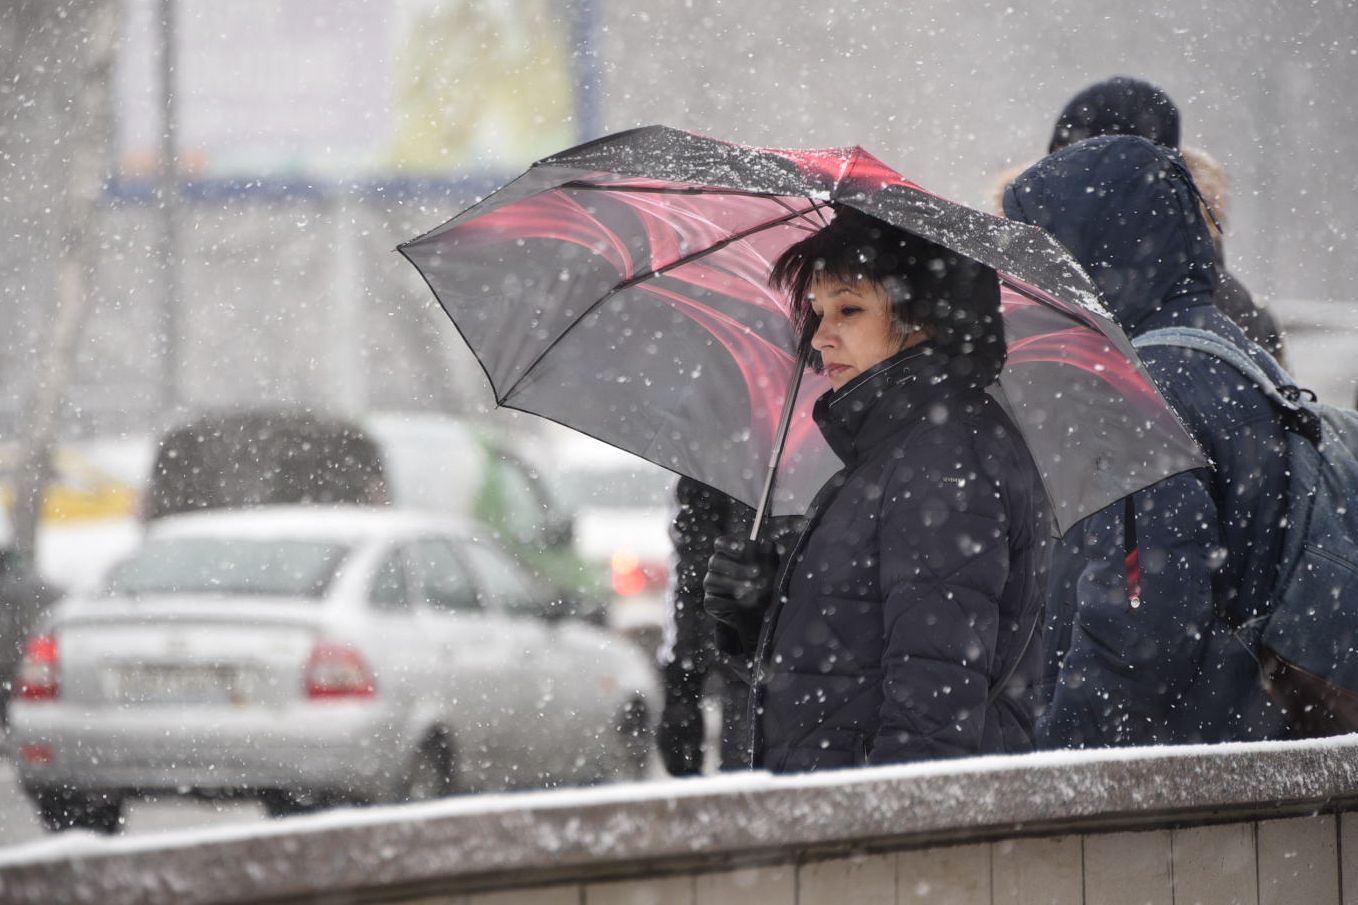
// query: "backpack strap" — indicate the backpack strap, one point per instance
point(1131, 560)
point(1281, 390)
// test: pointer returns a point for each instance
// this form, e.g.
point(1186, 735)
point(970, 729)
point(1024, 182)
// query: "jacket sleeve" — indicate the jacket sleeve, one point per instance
point(1128, 668)
point(944, 564)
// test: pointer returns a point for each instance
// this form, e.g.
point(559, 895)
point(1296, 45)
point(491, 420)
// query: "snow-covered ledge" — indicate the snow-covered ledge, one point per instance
point(574, 840)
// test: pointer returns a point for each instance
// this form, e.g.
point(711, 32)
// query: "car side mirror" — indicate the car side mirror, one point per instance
point(582, 607)
point(559, 531)
point(558, 608)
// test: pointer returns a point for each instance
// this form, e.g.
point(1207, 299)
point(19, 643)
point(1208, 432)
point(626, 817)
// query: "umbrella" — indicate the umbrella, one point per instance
point(620, 288)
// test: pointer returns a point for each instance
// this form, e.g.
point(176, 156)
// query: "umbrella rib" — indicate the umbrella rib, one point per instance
point(818, 209)
point(780, 200)
point(659, 190)
point(640, 278)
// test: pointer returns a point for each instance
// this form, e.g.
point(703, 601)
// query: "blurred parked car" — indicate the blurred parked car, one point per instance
point(88, 481)
point(24, 597)
point(307, 656)
point(623, 506)
point(440, 464)
point(426, 462)
point(87, 512)
point(256, 458)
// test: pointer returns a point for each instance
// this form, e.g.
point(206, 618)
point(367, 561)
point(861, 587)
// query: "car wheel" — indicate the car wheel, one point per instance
point(430, 775)
point(635, 733)
point(284, 803)
point(65, 809)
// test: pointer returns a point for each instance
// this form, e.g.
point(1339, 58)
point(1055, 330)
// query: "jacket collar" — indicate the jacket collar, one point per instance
point(877, 403)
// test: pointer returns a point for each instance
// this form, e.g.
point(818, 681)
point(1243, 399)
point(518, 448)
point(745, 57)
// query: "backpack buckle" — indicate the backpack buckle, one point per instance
point(1295, 393)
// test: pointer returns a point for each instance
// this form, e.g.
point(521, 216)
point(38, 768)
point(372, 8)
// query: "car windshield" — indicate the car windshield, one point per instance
point(614, 488)
point(218, 565)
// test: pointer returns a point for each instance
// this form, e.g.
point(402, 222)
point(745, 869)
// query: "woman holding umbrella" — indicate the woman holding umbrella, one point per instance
point(904, 625)
point(622, 288)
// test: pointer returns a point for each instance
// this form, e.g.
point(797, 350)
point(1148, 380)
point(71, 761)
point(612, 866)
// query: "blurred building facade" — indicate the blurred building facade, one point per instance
point(302, 173)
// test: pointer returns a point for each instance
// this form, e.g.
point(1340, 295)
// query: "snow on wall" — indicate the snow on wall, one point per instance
point(488, 840)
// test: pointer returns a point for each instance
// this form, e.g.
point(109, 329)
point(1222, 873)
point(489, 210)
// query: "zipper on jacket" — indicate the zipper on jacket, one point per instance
point(818, 506)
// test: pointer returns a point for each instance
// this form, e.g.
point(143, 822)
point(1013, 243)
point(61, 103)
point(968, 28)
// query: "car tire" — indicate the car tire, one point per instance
point(67, 809)
point(637, 738)
point(285, 803)
point(431, 774)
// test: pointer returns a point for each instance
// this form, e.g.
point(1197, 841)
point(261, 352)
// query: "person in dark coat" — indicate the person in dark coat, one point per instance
point(1167, 668)
point(904, 624)
point(1117, 106)
point(1231, 296)
point(1128, 106)
point(689, 658)
point(693, 662)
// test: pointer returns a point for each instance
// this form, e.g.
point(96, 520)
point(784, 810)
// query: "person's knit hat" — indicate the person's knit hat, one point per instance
point(1118, 106)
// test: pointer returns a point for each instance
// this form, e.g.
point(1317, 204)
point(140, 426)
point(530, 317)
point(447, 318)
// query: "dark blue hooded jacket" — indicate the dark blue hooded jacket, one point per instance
point(1171, 670)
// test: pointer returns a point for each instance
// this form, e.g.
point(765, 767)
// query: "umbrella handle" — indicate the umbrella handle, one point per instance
point(780, 438)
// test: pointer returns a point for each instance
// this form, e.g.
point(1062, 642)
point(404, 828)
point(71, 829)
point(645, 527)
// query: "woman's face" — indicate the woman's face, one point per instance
point(855, 327)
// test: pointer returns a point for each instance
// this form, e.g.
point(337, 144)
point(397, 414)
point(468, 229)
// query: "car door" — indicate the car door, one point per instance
point(548, 720)
point(405, 665)
point(480, 674)
point(596, 663)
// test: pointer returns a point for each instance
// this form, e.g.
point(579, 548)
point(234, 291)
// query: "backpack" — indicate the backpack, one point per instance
point(1307, 642)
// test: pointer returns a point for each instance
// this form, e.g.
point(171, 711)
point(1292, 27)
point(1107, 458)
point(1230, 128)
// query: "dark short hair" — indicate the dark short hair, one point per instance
point(955, 297)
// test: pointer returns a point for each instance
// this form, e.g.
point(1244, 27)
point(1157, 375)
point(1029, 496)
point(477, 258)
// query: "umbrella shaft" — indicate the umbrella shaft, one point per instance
point(780, 439)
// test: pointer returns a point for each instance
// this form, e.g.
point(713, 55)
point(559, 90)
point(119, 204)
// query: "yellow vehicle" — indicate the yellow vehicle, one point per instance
point(81, 488)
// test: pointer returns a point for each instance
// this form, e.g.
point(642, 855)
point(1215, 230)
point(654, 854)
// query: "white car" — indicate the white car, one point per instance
point(310, 655)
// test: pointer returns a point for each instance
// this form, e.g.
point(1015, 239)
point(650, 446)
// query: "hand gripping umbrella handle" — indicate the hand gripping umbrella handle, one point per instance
point(780, 438)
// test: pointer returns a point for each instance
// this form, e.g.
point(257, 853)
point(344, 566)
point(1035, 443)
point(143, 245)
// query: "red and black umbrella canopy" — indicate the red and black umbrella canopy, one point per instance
point(621, 288)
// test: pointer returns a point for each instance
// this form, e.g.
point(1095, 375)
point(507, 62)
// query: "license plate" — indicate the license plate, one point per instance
point(176, 685)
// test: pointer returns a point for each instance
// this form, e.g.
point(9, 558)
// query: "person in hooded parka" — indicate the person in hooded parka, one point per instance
point(904, 623)
point(1166, 667)
point(1231, 296)
point(1127, 106)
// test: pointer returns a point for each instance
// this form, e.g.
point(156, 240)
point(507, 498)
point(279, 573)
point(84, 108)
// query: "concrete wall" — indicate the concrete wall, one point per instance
point(1274, 862)
point(1260, 823)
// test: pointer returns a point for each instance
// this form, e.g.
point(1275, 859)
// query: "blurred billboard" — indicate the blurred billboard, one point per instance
point(353, 89)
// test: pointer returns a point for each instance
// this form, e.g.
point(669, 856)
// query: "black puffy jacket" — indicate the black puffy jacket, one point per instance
point(907, 618)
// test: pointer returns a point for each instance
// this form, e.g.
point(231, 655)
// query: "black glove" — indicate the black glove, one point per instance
point(739, 585)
